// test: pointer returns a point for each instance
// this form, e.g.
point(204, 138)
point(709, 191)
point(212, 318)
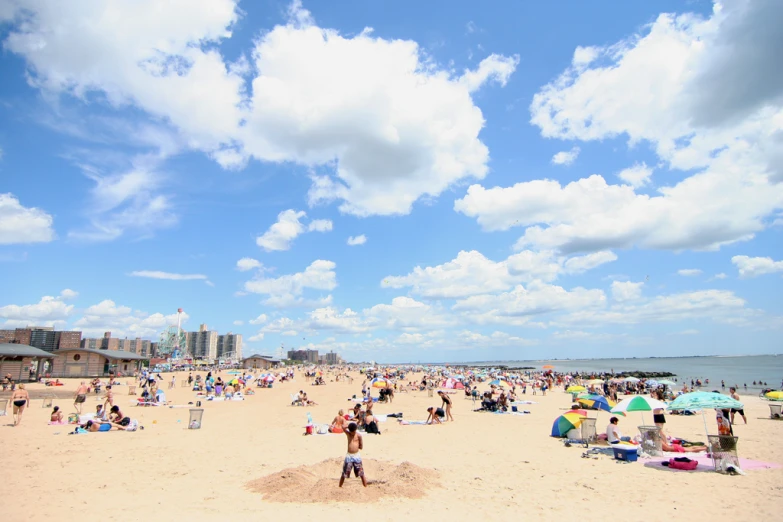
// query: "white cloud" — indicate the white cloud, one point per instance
point(566, 157)
point(626, 290)
point(123, 321)
point(255, 338)
point(261, 319)
point(472, 273)
point(68, 294)
point(391, 125)
point(720, 276)
point(320, 225)
point(583, 56)
point(156, 274)
point(248, 263)
point(238, 323)
point(49, 311)
point(689, 272)
point(637, 175)
point(20, 224)
point(756, 266)
point(287, 228)
point(405, 313)
point(287, 290)
point(357, 240)
point(495, 339)
point(537, 298)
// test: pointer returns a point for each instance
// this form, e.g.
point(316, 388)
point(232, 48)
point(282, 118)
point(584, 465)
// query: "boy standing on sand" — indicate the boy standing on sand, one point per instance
point(353, 459)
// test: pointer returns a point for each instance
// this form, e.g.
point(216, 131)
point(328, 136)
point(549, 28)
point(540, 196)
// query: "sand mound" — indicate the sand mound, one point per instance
point(319, 483)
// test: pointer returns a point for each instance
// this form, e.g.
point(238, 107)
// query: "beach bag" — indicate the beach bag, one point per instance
point(323, 429)
point(73, 418)
point(683, 463)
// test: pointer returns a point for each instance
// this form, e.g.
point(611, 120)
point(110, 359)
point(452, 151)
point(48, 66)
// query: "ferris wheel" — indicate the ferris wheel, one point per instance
point(172, 343)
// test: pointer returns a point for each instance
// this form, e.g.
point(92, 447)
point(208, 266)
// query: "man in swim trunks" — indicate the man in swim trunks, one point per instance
point(353, 459)
point(80, 397)
point(741, 411)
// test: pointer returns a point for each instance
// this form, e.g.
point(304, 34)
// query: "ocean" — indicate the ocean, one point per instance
point(739, 370)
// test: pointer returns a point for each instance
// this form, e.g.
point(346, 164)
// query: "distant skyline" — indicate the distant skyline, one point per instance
point(443, 180)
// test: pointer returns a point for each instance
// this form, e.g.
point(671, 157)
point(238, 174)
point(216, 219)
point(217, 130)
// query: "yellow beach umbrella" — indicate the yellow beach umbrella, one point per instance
point(774, 395)
point(576, 389)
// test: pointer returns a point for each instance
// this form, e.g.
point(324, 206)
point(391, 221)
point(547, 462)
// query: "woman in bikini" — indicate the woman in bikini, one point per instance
point(20, 400)
point(447, 405)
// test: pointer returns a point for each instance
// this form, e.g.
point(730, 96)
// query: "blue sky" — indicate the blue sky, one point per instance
point(438, 181)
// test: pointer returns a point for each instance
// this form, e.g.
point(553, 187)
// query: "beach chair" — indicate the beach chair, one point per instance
point(723, 449)
point(131, 390)
point(775, 411)
point(4, 407)
point(295, 400)
point(651, 442)
point(46, 403)
point(589, 433)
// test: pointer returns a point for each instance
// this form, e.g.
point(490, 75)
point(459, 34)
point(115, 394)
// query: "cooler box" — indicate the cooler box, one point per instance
point(625, 452)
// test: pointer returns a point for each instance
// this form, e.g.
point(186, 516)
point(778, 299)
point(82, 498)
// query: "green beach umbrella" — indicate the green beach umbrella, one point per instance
point(638, 403)
point(667, 382)
point(702, 401)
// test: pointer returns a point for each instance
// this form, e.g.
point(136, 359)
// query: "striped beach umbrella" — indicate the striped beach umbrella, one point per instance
point(595, 402)
point(565, 423)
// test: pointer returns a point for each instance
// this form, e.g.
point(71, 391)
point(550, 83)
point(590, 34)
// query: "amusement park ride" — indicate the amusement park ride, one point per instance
point(173, 344)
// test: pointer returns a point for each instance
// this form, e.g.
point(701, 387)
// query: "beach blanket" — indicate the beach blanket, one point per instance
point(706, 464)
point(525, 412)
point(523, 402)
point(413, 423)
point(60, 423)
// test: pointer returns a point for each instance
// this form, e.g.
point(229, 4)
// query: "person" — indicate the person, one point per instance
point(446, 405)
point(370, 424)
point(80, 396)
point(724, 425)
point(353, 459)
point(659, 418)
point(173, 381)
point(57, 416)
point(100, 412)
point(117, 417)
point(20, 400)
point(109, 398)
point(338, 423)
point(190, 378)
point(434, 415)
point(229, 391)
point(741, 411)
point(613, 434)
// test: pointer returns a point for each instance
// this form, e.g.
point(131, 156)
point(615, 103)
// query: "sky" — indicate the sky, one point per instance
point(397, 181)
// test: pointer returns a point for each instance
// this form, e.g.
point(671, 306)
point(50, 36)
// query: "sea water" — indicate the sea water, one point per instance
point(739, 370)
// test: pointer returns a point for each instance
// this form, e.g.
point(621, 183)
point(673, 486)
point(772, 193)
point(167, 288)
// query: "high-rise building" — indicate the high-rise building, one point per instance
point(297, 355)
point(66, 340)
point(43, 338)
point(331, 358)
point(312, 356)
point(203, 344)
point(229, 346)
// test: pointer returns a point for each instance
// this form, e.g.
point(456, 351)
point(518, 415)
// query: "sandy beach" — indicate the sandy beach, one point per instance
point(478, 466)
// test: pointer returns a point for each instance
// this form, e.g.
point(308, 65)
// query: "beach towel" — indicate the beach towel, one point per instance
point(60, 423)
point(413, 423)
point(525, 412)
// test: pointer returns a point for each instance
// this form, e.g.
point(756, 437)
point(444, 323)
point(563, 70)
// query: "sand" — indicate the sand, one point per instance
point(479, 466)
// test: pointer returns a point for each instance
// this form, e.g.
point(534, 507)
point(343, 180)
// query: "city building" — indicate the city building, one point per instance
point(297, 355)
point(42, 337)
point(229, 346)
point(259, 362)
point(82, 362)
point(203, 344)
point(331, 358)
point(312, 356)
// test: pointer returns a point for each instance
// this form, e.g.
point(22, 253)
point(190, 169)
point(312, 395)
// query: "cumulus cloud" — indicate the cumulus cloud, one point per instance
point(287, 290)
point(123, 321)
point(19, 224)
point(689, 272)
point(357, 240)
point(287, 228)
point(238, 323)
point(626, 290)
point(371, 109)
point(248, 263)
point(756, 266)
point(261, 319)
point(471, 273)
point(637, 175)
point(49, 311)
point(69, 294)
point(644, 87)
point(566, 157)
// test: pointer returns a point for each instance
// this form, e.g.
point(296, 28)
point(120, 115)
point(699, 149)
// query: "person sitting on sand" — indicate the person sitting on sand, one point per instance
point(56, 416)
point(353, 459)
point(613, 434)
point(117, 417)
point(308, 402)
point(338, 423)
point(434, 415)
point(229, 391)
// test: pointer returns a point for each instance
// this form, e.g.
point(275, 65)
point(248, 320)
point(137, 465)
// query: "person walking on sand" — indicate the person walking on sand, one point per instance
point(741, 411)
point(20, 399)
point(109, 398)
point(80, 397)
point(353, 459)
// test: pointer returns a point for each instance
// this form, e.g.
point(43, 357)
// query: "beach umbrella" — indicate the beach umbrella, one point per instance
point(548, 367)
point(595, 381)
point(702, 401)
point(631, 379)
point(379, 383)
point(774, 395)
point(637, 403)
point(576, 389)
point(498, 382)
point(595, 402)
point(667, 382)
point(567, 422)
